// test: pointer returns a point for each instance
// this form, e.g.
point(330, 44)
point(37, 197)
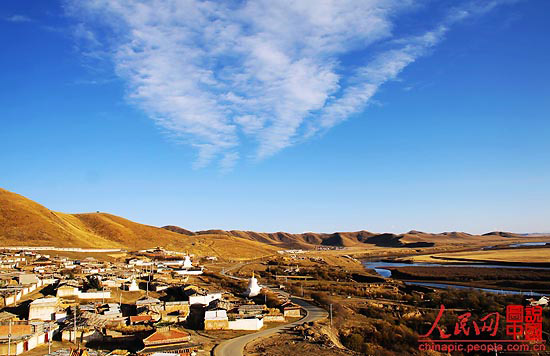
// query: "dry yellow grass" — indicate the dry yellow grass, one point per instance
point(527, 255)
point(26, 223)
point(467, 241)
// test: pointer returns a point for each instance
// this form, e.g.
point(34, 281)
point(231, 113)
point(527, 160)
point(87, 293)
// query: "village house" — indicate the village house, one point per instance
point(216, 320)
point(24, 336)
point(140, 319)
point(6, 317)
point(254, 323)
point(204, 299)
point(252, 309)
point(145, 305)
point(44, 309)
point(291, 310)
point(66, 291)
point(168, 341)
point(28, 278)
point(274, 315)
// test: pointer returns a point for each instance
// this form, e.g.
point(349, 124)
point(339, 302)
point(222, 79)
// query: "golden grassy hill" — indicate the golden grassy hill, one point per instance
point(24, 222)
point(366, 240)
point(306, 240)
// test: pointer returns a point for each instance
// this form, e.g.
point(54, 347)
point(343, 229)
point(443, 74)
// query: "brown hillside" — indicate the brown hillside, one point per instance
point(309, 240)
point(366, 239)
point(26, 223)
point(502, 234)
point(179, 230)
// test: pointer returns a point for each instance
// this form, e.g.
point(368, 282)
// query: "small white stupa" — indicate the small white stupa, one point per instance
point(133, 285)
point(187, 263)
point(253, 287)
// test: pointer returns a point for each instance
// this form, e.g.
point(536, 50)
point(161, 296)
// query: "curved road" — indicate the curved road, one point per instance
point(235, 347)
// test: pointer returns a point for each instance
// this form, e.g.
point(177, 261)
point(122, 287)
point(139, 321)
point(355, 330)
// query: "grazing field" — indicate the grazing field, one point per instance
point(497, 278)
point(518, 255)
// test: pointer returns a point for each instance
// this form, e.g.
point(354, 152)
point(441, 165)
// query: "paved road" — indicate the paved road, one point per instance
point(235, 347)
point(229, 269)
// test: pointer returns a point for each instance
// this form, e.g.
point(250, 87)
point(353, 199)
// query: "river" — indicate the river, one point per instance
point(378, 266)
point(381, 267)
point(489, 290)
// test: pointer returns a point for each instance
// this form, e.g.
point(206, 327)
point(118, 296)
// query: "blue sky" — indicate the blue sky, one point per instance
point(323, 116)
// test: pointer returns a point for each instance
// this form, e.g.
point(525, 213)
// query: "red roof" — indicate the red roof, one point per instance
point(290, 305)
point(166, 337)
point(140, 318)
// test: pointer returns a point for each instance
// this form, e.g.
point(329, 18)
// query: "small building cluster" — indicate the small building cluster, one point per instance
point(147, 300)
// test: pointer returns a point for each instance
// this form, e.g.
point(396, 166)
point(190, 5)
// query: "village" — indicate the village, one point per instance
point(140, 303)
point(97, 302)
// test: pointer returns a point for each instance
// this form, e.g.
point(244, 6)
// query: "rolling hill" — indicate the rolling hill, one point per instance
point(366, 239)
point(24, 222)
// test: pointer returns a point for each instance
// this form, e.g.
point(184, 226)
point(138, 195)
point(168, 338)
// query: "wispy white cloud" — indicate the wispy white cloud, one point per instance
point(18, 18)
point(228, 161)
point(212, 73)
point(81, 32)
point(384, 67)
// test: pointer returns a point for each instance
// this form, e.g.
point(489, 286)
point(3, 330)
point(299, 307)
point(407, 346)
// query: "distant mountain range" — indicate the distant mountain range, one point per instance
point(411, 239)
point(536, 234)
point(24, 222)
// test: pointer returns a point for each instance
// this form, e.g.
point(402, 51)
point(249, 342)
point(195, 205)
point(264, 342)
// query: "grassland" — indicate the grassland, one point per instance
point(24, 222)
point(516, 255)
point(521, 279)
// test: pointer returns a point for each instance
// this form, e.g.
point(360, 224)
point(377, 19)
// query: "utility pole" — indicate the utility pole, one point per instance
point(74, 323)
point(148, 280)
point(331, 315)
point(49, 339)
point(9, 339)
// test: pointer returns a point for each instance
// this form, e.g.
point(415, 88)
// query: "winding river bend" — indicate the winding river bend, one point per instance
point(382, 269)
point(378, 267)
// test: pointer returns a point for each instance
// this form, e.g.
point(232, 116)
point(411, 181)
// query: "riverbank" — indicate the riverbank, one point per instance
point(514, 279)
point(533, 255)
point(464, 270)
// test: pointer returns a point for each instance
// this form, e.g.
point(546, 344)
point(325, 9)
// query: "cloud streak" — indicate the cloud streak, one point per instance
point(217, 74)
point(18, 18)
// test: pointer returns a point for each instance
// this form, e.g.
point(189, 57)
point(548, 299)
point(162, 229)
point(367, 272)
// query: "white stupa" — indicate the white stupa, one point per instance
point(187, 263)
point(187, 267)
point(133, 285)
point(253, 287)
